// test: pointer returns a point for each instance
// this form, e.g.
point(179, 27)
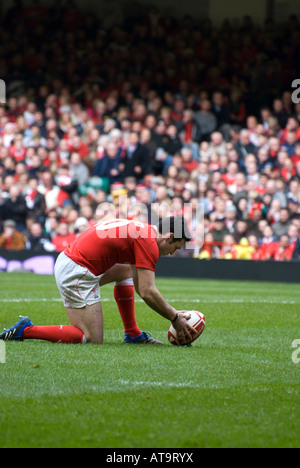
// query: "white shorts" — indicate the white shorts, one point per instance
point(77, 285)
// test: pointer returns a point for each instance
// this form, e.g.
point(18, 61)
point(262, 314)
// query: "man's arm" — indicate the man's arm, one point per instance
point(145, 282)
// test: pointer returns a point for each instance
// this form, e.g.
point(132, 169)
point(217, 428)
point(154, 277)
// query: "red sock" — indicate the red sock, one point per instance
point(124, 296)
point(55, 334)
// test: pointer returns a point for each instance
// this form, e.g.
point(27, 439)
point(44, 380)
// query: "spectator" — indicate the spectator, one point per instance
point(35, 201)
point(206, 120)
point(81, 225)
point(78, 170)
point(150, 144)
point(136, 162)
point(221, 110)
point(174, 144)
point(231, 218)
point(15, 208)
point(37, 240)
point(68, 186)
point(296, 252)
point(258, 252)
point(264, 164)
point(288, 171)
point(11, 238)
point(269, 243)
point(230, 177)
point(241, 231)
point(284, 251)
point(51, 224)
point(217, 144)
point(293, 234)
point(109, 165)
point(282, 226)
point(228, 251)
point(62, 238)
point(190, 130)
point(244, 146)
point(280, 113)
point(237, 108)
point(219, 230)
point(189, 163)
point(76, 145)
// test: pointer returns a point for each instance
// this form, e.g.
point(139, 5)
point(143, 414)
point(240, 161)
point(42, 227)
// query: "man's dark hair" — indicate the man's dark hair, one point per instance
point(175, 225)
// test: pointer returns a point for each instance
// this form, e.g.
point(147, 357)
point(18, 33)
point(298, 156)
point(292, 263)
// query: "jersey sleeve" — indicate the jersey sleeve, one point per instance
point(146, 252)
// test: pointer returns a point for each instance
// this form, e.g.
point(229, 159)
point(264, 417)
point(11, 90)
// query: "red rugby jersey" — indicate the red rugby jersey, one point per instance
point(114, 242)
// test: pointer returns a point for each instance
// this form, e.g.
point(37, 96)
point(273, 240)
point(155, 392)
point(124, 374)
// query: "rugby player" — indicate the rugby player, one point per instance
point(116, 251)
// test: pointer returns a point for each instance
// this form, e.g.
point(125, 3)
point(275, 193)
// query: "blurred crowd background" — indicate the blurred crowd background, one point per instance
point(153, 110)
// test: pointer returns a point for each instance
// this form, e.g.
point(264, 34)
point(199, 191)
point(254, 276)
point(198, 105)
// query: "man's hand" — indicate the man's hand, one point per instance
point(144, 281)
point(185, 332)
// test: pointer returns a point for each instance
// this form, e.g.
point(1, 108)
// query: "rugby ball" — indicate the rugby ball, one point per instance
point(197, 321)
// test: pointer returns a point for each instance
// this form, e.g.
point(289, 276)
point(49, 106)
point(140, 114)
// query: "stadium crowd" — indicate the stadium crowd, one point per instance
point(168, 113)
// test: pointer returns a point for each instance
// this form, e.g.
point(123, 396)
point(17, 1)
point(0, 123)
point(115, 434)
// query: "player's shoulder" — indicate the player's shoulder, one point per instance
point(142, 230)
point(126, 228)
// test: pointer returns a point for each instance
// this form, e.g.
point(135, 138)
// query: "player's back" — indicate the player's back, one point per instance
point(115, 242)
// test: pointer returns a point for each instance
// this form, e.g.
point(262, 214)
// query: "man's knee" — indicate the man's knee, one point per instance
point(93, 334)
point(90, 321)
point(90, 339)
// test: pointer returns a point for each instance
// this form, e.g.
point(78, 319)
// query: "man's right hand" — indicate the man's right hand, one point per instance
point(145, 282)
point(185, 332)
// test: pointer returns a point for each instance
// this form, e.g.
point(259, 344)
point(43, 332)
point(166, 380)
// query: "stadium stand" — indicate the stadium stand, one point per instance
point(169, 113)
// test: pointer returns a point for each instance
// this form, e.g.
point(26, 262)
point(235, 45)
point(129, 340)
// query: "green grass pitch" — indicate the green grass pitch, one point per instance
point(236, 387)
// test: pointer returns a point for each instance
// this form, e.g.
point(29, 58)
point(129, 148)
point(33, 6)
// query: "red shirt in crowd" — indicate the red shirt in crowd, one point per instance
point(281, 254)
point(62, 242)
point(269, 249)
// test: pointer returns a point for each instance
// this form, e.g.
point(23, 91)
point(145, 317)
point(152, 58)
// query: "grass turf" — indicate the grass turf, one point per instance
point(236, 387)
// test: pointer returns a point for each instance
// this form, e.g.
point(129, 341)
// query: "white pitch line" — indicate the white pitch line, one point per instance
point(192, 301)
point(159, 384)
point(189, 385)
